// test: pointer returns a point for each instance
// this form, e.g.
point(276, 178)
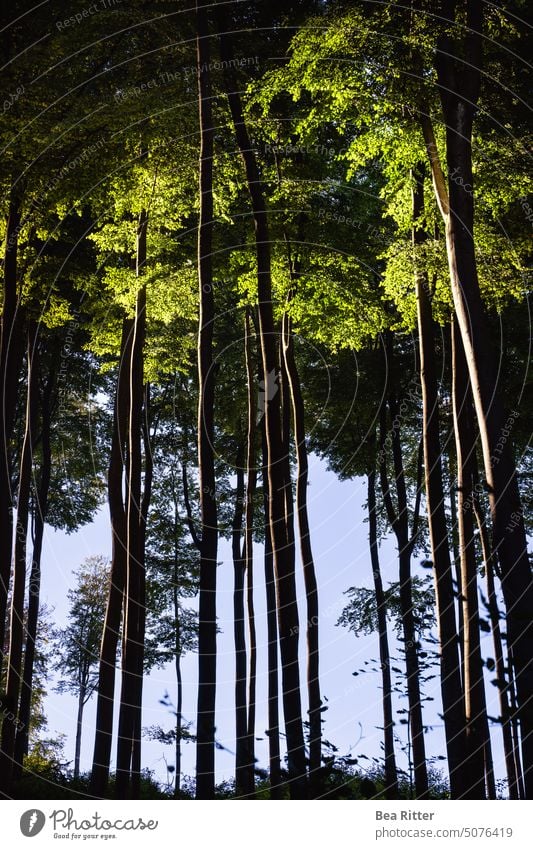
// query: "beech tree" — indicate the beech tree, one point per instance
point(77, 646)
point(237, 241)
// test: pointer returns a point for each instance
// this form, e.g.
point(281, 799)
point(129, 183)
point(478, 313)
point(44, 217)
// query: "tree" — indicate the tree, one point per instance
point(282, 544)
point(77, 646)
point(406, 533)
point(452, 698)
point(458, 65)
point(16, 620)
point(391, 776)
point(205, 760)
point(172, 577)
point(340, 210)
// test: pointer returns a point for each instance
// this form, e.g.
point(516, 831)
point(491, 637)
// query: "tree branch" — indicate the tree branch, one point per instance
point(437, 174)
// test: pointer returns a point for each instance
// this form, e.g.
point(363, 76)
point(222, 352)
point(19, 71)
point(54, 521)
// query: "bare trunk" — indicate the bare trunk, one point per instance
point(141, 625)
point(473, 667)
point(79, 725)
point(272, 634)
point(179, 714)
point(391, 775)
point(456, 562)
point(11, 354)
point(41, 508)
point(248, 553)
point(283, 550)
point(129, 728)
point(400, 525)
point(179, 680)
point(451, 684)
point(503, 684)
point(239, 636)
point(111, 631)
point(16, 631)
point(413, 678)
point(515, 727)
point(459, 84)
point(311, 588)
point(205, 748)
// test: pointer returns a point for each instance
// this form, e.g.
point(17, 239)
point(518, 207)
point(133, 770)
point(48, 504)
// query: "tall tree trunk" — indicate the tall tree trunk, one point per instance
point(310, 582)
point(285, 418)
point(239, 636)
point(485, 552)
point(11, 354)
point(79, 726)
point(291, 377)
point(515, 726)
point(391, 775)
point(283, 550)
point(129, 728)
point(400, 524)
point(451, 684)
point(207, 641)
point(143, 518)
point(179, 715)
point(413, 677)
point(274, 759)
point(459, 85)
point(177, 661)
point(456, 559)
point(503, 684)
point(473, 759)
point(113, 616)
point(248, 552)
point(16, 633)
point(41, 509)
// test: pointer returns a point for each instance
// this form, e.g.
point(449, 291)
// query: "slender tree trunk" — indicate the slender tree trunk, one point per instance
point(177, 665)
point(459, 85)
point(290, 370)
point(129, 728)
point(469, 507)
point(413, 677)
point(503, 684)
point(311, 587)
point(285, 417)
point(490, 780)
point(400, 525)
point(391, 775)
point(473, 759)
point(16, 631)
point(111, 631)
point(272, 636)
point(283, 550)
point(207, 643)
point(239, 635)
point(11, 354)
point(515, 727)
point(79, 726)
point(248, 552)
point(179, 715)
point(143, 518)
point(456, 563)
point(451, 684)
point(41, 509)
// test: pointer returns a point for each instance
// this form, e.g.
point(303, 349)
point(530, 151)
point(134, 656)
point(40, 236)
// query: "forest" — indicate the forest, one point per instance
point(265, 464)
